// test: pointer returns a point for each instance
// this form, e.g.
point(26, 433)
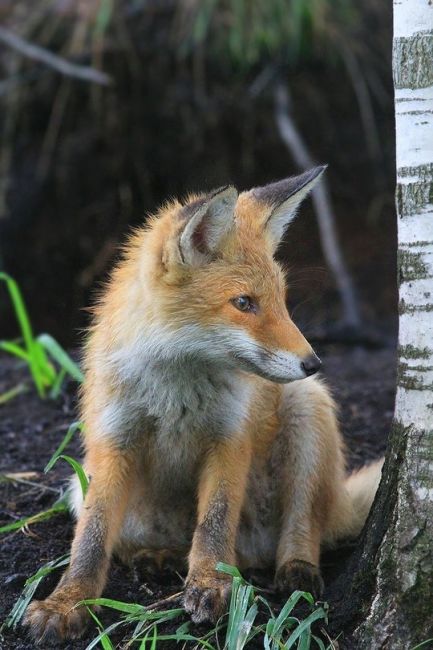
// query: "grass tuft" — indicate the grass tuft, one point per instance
point(36, 352)
point(62, 503)
point(29, 590)
point(75, 426)
point(250, 615)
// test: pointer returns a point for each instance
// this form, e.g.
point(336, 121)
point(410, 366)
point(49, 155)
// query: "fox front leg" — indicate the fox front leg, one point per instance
point(56, 618)
point(311, 485)
point(221, 494)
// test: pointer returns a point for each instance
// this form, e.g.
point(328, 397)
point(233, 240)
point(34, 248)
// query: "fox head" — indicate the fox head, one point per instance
point(222, 291)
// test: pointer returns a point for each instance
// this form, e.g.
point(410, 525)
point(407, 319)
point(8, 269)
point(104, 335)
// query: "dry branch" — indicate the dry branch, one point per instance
point(58, 63)
point(322, 206)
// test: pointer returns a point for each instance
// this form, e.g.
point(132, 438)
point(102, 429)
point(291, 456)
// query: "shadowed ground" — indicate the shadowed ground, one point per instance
point(30, 429)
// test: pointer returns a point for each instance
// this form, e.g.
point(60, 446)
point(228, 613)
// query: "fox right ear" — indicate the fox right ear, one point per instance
point(283, 198)
point(208, 220)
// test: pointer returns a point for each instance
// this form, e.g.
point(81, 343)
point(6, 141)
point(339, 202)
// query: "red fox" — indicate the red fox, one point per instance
point(206, 433)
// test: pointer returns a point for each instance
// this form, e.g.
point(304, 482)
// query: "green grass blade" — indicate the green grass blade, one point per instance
point(79, 471)
point(231, 570)
point(57, 508)
point(103, 636)
point(236, 584)
point(246, 626)
point(75, 426)
point(26, 330)
point(267, 605)
point(47, 568)
point(161, 615)
point(422, 645)
point(134, 613)
point(144, 640)
point(268, 634)
point(304, 641)
point(319, 642)
point(28, 592)
point(35, 353)
point(305, 625)
point(46, 368)
point(20, 309)
point(118, 605)
point(57, 353)
point(239, 621)
point(287, 609)
point(184, 628)
point(106, 631)
point(14, 349)
point(154, 638)
point(57, 385)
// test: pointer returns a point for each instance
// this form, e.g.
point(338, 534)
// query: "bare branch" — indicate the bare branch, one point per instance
point(364, 102)
point(322, 206)
point(58, 63)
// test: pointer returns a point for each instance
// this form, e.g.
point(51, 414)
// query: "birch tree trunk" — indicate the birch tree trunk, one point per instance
point(397, 556)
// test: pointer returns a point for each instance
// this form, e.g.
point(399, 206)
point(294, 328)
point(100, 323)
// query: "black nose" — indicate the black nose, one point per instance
point(311, 364)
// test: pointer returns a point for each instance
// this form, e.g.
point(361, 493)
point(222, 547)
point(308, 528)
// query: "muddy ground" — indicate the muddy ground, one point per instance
point(362, 381)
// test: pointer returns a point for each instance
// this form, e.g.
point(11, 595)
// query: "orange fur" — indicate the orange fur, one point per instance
point(199, 432)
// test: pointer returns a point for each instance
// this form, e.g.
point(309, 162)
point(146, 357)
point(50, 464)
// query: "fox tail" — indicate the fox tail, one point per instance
point(357, 499)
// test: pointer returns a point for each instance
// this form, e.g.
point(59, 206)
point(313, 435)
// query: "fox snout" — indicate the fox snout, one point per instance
point(283, 367)
point(311, 364)
point(287, 355)
point(295, 367)
point(280, 365)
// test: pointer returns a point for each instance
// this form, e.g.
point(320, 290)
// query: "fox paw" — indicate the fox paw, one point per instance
point(50, 621)
point(299, 575)
point(206, 596)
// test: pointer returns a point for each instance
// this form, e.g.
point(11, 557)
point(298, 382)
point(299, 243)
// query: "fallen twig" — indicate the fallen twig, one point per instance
point(24, 478)
point(158, 603)
point(54, 61)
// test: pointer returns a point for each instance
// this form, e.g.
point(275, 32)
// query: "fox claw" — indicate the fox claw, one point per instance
point(51, 622)
point(301, 575)
point(205, 599)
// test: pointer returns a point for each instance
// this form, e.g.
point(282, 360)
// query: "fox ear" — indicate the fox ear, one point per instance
point(284, 197)
point(208, 220)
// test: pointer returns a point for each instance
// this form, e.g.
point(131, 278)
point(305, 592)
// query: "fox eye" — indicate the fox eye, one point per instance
point(244, 303)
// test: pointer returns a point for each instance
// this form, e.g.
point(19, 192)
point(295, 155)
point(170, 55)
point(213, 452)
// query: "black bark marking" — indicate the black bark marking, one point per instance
point(414, 55)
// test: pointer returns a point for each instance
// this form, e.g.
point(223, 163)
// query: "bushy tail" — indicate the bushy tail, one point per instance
point(361, 486)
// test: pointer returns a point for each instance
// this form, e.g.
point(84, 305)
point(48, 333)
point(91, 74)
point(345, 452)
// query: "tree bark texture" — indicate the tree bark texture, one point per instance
point(396, 560)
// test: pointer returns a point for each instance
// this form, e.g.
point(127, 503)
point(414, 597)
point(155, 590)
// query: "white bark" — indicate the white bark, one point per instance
point(413, 65)
point(401, 614)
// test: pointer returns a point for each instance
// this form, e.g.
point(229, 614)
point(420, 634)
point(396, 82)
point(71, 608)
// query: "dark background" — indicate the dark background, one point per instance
point(191, 107)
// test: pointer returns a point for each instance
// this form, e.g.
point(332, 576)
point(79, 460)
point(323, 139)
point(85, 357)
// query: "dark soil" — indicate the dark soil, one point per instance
point(30, 429)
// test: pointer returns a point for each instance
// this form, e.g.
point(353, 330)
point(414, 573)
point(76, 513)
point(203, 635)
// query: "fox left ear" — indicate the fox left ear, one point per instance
point(283, 198)
point(209, 219)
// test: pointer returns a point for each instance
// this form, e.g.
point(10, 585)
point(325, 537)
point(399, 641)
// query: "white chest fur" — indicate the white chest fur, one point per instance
point(184, 399)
